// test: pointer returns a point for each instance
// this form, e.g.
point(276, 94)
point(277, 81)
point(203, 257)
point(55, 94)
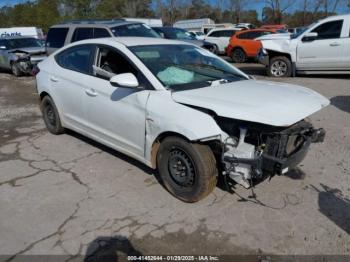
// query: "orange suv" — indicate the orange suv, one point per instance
point(242, 45)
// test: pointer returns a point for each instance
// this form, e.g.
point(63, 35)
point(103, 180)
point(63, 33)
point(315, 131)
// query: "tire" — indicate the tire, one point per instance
point(215, 50)
point(280, 66)
point(51, 116)
point(238, 55)
point(15, 70)
point(188, 171)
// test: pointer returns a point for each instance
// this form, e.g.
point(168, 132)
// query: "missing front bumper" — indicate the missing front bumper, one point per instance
point(268, 164)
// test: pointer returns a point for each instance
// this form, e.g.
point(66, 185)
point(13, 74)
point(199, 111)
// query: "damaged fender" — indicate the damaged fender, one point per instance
point(170, 117)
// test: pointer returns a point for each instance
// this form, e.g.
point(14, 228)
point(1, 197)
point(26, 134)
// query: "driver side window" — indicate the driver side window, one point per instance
point(329, 30)
point(109, 63)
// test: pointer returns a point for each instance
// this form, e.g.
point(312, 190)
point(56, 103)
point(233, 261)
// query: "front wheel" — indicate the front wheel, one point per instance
point(280, 66)
point(15, 69)
point(188, 171)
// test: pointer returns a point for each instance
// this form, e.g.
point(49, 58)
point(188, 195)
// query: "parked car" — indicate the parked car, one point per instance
point(243, 44)
point(72, 31)
point(178, 108)
point(20, 54)
point(174, 33)
point(197, 34)
point(220, 37)
point(324, 47)
point(244, 25)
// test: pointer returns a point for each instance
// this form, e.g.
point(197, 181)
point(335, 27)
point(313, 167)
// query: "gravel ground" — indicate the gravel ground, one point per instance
point(67, 195)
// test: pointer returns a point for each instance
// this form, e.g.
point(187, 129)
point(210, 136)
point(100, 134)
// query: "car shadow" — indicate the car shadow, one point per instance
point(334, 206)
point(341, 102)
point(110, 249)
point(296, 174)
point(113, 152)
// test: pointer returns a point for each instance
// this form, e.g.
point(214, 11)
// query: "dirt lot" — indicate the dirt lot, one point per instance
point(68, 195)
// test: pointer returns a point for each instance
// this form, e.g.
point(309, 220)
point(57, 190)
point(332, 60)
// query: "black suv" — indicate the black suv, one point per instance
point(72, 31)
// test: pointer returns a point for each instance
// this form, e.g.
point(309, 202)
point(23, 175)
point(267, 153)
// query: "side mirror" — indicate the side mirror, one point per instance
point(3, 47)
point(125, 80)
point(311, 36)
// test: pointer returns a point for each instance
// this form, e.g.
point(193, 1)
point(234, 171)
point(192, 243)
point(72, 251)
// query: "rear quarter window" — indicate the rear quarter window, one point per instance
point(56, 37)
point(101, 32)
point(82, 33)
point(77, 58)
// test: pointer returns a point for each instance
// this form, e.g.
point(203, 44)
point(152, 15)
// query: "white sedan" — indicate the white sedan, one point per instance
point(179, 109)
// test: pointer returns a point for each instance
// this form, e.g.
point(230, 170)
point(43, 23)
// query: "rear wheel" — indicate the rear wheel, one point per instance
point(238, 55)
point(188, 171)
point(51, 117)
point(280, 66)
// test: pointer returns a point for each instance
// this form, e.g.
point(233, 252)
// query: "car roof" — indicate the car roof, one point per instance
point(226, 28)
point(133, 41)
point(333, 17)
point(256, 30)
point(95, 23)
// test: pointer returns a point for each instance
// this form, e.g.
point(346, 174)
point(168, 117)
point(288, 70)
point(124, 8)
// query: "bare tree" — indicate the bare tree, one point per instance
point(278, 7)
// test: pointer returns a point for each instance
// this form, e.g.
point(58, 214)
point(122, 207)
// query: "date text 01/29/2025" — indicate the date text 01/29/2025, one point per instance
point(173, 258)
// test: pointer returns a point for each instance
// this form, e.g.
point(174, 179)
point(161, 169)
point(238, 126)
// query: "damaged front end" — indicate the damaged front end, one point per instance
point(22, 61)
point(254, 151)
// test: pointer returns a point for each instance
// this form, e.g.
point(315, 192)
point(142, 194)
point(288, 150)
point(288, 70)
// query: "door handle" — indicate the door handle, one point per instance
point(53, 79)
point(91, 92)
point(334, 44)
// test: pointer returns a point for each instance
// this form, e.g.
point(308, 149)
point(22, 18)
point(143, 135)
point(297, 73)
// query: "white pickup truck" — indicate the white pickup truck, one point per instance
point(323, 47)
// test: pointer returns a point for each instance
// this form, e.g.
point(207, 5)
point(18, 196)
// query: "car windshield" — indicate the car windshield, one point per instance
point(183, 67)
point(140, 30)
point(180, 34)
point(23, 42)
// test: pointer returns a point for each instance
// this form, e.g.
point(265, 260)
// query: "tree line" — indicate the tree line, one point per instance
point(44, 13)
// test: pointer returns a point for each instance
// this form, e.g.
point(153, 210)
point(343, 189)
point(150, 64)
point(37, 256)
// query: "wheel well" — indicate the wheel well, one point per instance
point(276, 53)
point(158, 141)
point(43, 94)
point(238, 47)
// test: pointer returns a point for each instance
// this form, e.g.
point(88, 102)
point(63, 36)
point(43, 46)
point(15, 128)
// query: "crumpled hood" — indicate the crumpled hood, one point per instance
point(274, 36)
point(29, 50)
point(263, 102)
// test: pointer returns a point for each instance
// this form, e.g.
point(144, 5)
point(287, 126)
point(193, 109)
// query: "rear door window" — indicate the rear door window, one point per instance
point(101, 32)
point(227, 33)
point(248, 35)
point(77, 58)
point(82, 34)
point(215, 34)
point(56, 37)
